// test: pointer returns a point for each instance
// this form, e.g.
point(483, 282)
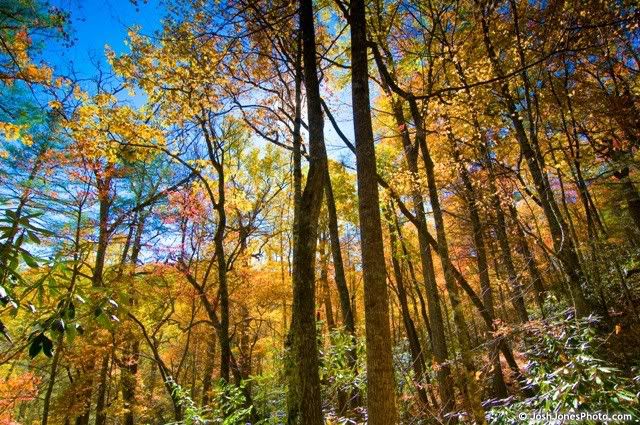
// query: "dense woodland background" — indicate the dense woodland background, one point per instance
point(276, 211)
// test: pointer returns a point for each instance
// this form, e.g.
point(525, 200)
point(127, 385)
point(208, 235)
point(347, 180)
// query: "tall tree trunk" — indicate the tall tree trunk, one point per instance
point(216, 158)
point(131, 352)
point(381, 400)
point(417, 357)
point(529, 258)
point(129, 381)
point(304, 399)
point(338, 265)
point(101, 416)
point(517, 298)
point(348, 320)
point(105, 200)
point(324, 284)
point(630, 193)
point(499, 389)
point(223, 291)
point(207, 379)
point(469, 379)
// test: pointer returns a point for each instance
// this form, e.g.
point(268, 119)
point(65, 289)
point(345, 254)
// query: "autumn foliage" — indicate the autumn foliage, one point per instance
point(306, 212)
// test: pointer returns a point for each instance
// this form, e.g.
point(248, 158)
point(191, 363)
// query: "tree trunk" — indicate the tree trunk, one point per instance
point(630, 194)
point(469, 379)
point(498, 387)
point(515, 284)
point(105, 200)
point(129, 381)
point(348, 320)
point(417, 357)
point(131, 352)
point(207, 379)
point(104, 197)
point(324, 284)
point(381, 400)
point(101, 416)
point(304, 398)
point(529, 258)
point(338, 265)
point(52, 380)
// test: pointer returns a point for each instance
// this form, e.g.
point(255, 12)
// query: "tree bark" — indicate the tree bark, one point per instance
point(630, 194)
point(381, 400)
point(324, 284)
point(304, 398)
point(131, 352)
point(97, 279)
point(207, 379)
point(530, 259)
point(417, 356)
point(348, 320)
point(101, 416)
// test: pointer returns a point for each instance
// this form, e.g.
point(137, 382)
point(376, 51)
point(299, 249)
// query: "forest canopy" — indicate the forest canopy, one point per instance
point(322, 212)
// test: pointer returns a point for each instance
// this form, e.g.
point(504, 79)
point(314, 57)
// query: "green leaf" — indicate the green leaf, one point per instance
point(34, 237)
point(71, 334)
point(31, 262)
point(13, 265)
point(70, 312)
point(104, 321)
point(51, 282)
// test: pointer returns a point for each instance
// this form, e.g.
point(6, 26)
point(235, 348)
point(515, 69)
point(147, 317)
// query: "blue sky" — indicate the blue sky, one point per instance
point(95, 23)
